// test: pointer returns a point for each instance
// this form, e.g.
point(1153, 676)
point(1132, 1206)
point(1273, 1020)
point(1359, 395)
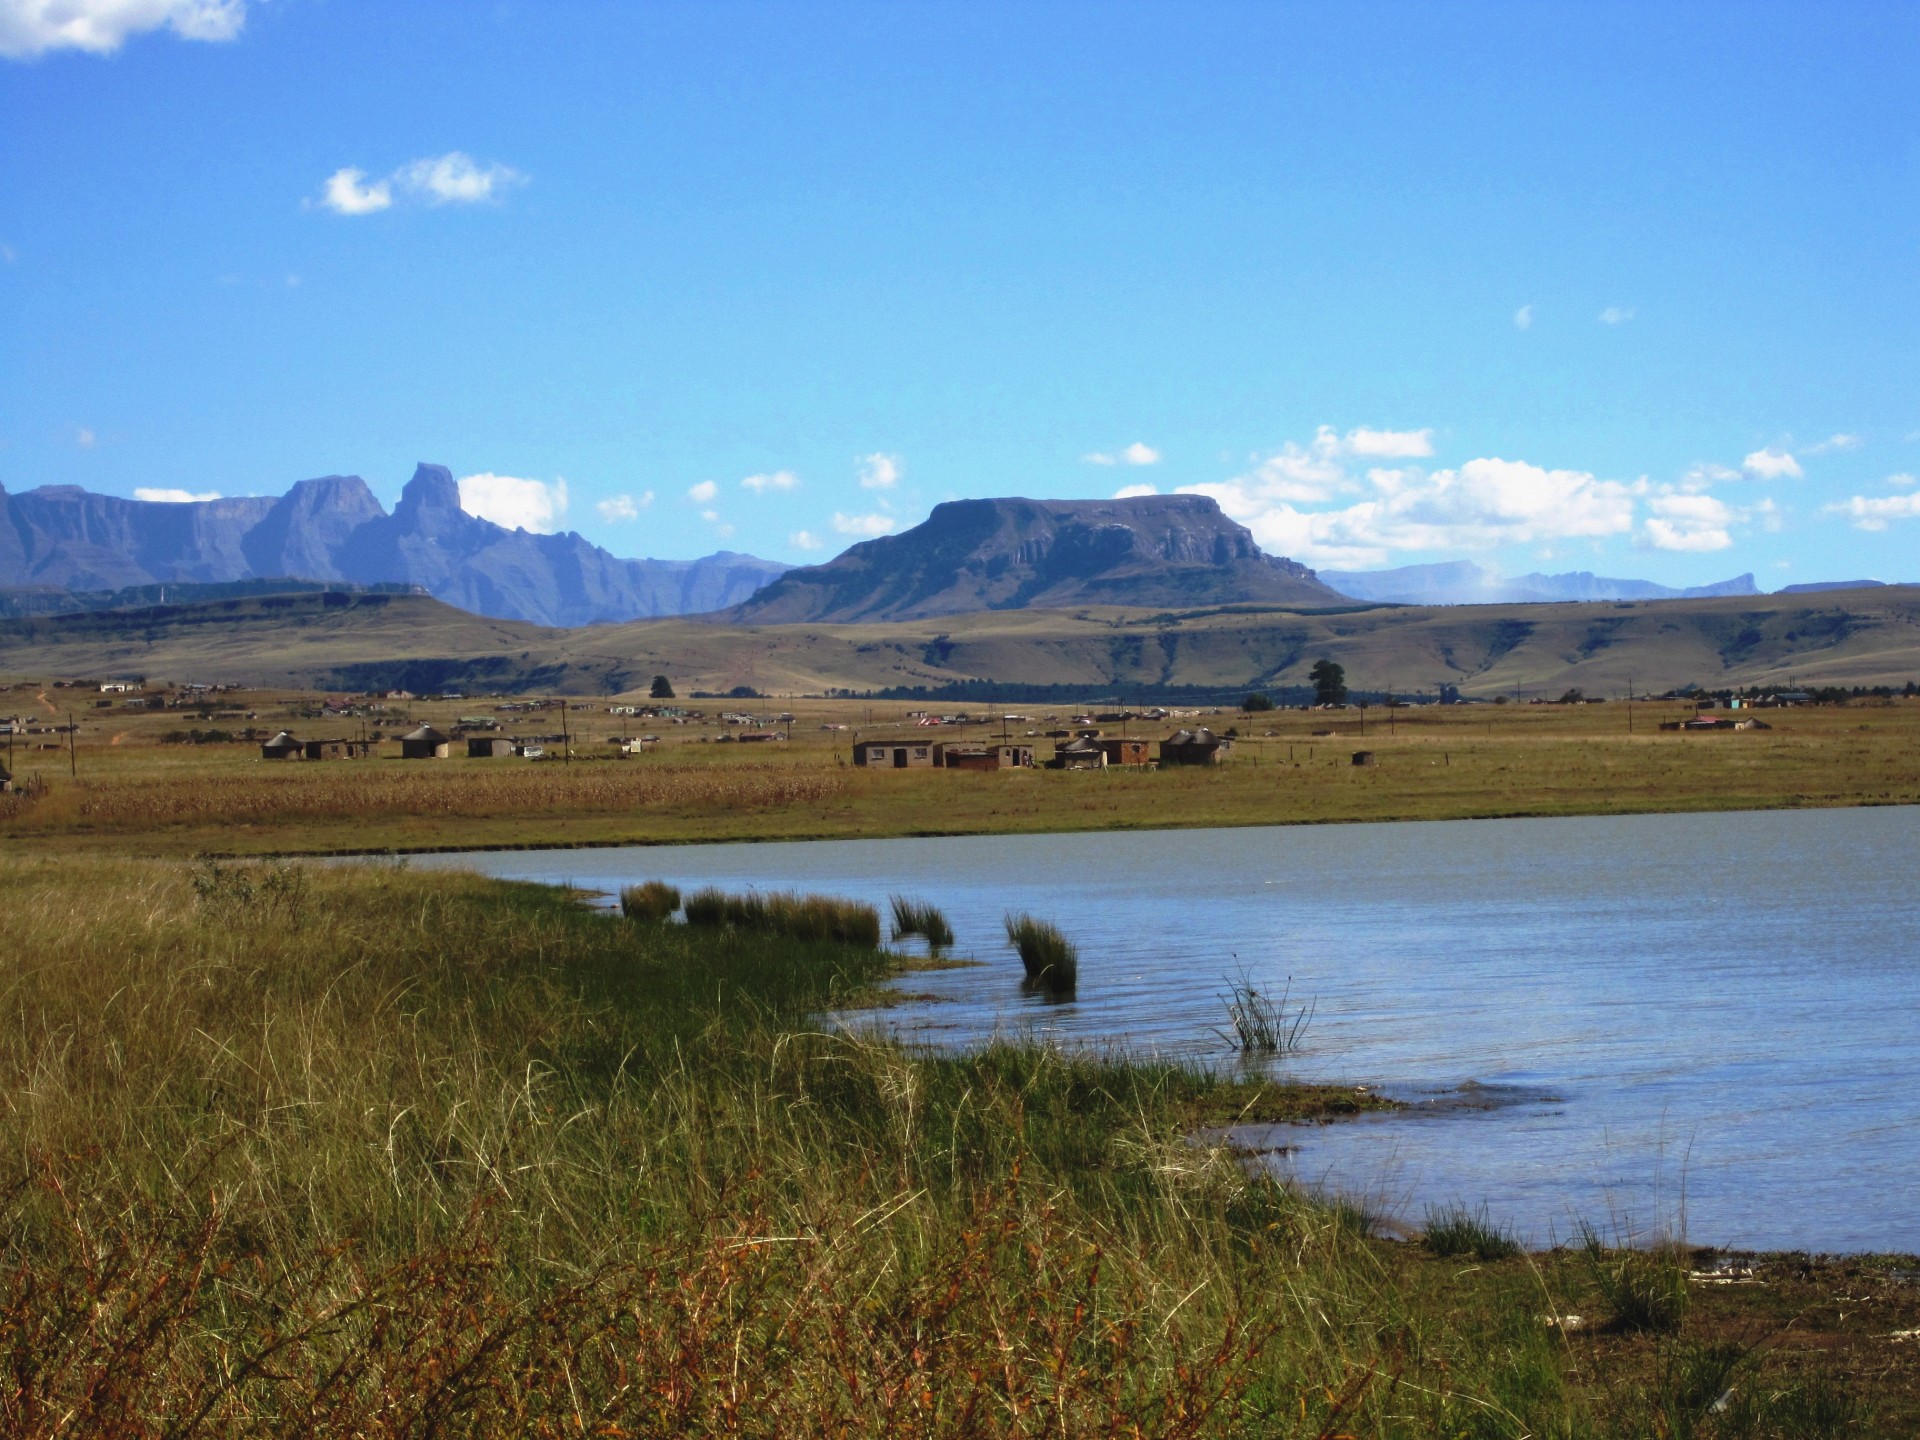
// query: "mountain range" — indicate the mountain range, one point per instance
point(1019, 554)
point(333, 529)
point(1461, 582)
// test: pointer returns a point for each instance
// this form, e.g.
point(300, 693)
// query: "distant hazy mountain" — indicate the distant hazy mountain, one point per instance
point(1813, 587)
point(1013, 554)
point(1461, 582)
point(62, 537)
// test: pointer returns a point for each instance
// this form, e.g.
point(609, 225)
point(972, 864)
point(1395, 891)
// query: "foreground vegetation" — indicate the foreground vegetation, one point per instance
point(126, 790)
point(362, 1151)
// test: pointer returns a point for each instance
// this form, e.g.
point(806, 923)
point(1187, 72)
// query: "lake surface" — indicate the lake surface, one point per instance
point(1629, 1021)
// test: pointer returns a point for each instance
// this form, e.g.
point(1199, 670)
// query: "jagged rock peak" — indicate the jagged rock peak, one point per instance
point(431, 488)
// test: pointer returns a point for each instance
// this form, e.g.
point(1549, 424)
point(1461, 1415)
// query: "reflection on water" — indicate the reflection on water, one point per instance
point(1714, 1011)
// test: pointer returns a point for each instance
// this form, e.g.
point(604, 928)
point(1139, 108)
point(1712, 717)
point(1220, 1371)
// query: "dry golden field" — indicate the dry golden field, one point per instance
point(125, 788)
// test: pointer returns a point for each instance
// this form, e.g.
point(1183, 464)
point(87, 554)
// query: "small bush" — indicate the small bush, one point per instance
point(654, 900)
point(1645, 1291)
point(917, 917)
point(798, 917)
point(1455, 1231)
point(1051, 962)
point(260, 891)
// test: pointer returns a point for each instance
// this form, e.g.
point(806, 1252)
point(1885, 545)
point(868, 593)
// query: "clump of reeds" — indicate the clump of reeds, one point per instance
point(1050, 959)
point(1454, 1230)
point(267, 888)
point(798, 917)
point(1645, 1291)
point(651, 900)
point(1261, 1024)
point(918, 917)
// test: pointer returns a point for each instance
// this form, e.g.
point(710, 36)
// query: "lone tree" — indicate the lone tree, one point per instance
point(1329, 682)
point(1257, 701)
point(662, 688)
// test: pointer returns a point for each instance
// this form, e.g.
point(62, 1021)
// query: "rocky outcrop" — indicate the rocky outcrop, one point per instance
point(1158, 550)
point(334, 529)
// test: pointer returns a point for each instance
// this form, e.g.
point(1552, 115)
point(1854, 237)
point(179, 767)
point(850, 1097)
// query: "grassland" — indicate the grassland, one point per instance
point(134, 793)
point(358, 1150)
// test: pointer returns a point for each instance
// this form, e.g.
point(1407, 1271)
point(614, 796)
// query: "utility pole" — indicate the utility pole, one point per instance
point(566, 740)
point(73, 757)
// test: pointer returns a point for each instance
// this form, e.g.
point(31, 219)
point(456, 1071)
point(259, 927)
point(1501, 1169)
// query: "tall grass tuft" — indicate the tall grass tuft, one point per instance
point(795, 917)
point(1645, 1291)
point(1050, 959)
point(1261, 1024)
point(653, 900)
point(918, 917)
point(1453, 1231)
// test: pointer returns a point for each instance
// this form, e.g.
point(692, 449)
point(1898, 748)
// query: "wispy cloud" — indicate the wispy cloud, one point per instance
point(100, 27)
point(174, 497)
point(1842, 441)
point(805, 540)
point(774, 480)
point(85, 438)
point(1772, 465)
point(879, 471)
point(1616, 315)
point(1877, 511)
point(1134, 492)
point(1138, 453)
point(516, 503)
point(703, 493)
point(867, 526)
point(624, 507)
point(1523, 318)
point(449, 179)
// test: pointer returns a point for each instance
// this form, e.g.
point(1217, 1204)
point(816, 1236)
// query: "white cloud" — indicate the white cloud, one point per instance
point(805, 540)
point(1688, 522)
point(33, 27)
point(1842, 441)
point(865, 525)
point(702, 493)
point(1705, 473)
point(1134, 492)
point(1616, 315)
point(85, 438)
point(174, 497)
point(453, 179)
point(1138, 453)
point(1523, 318)
point(8, 254)
point(1873, 513)
point(775, 480)
point(1480, 504)
point(624, 507)
point(1771, 465)
point(450, 179)
point(513, 502)
point(1901, 482)
point(348, 194)
point(720, 527)
point(1388, 444)
point(879, 471)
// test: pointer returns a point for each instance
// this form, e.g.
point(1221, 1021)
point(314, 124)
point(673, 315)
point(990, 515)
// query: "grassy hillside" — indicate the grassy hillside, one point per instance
point(358, 642)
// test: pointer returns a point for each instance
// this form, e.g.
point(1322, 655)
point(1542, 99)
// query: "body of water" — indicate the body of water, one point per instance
point(1628, 1021)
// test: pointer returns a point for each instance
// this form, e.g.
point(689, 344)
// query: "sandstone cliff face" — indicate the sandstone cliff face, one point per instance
point(1173, 550)
point(335, 529)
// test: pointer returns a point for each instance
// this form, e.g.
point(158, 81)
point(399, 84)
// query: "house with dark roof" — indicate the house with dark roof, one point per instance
point(1194, 747)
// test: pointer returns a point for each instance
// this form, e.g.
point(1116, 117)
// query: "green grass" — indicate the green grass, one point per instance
point(420, 1153)
point(922, 918)
point(1454, 1231)
point(813, 918)
point(1050, 959)
point(650, 900)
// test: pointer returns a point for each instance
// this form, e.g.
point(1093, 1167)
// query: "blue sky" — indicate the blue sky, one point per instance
point(1632, 288)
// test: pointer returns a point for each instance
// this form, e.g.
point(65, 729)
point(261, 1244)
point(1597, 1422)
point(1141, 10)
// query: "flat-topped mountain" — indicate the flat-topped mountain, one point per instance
point(1013, 554)
point(334, 528)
